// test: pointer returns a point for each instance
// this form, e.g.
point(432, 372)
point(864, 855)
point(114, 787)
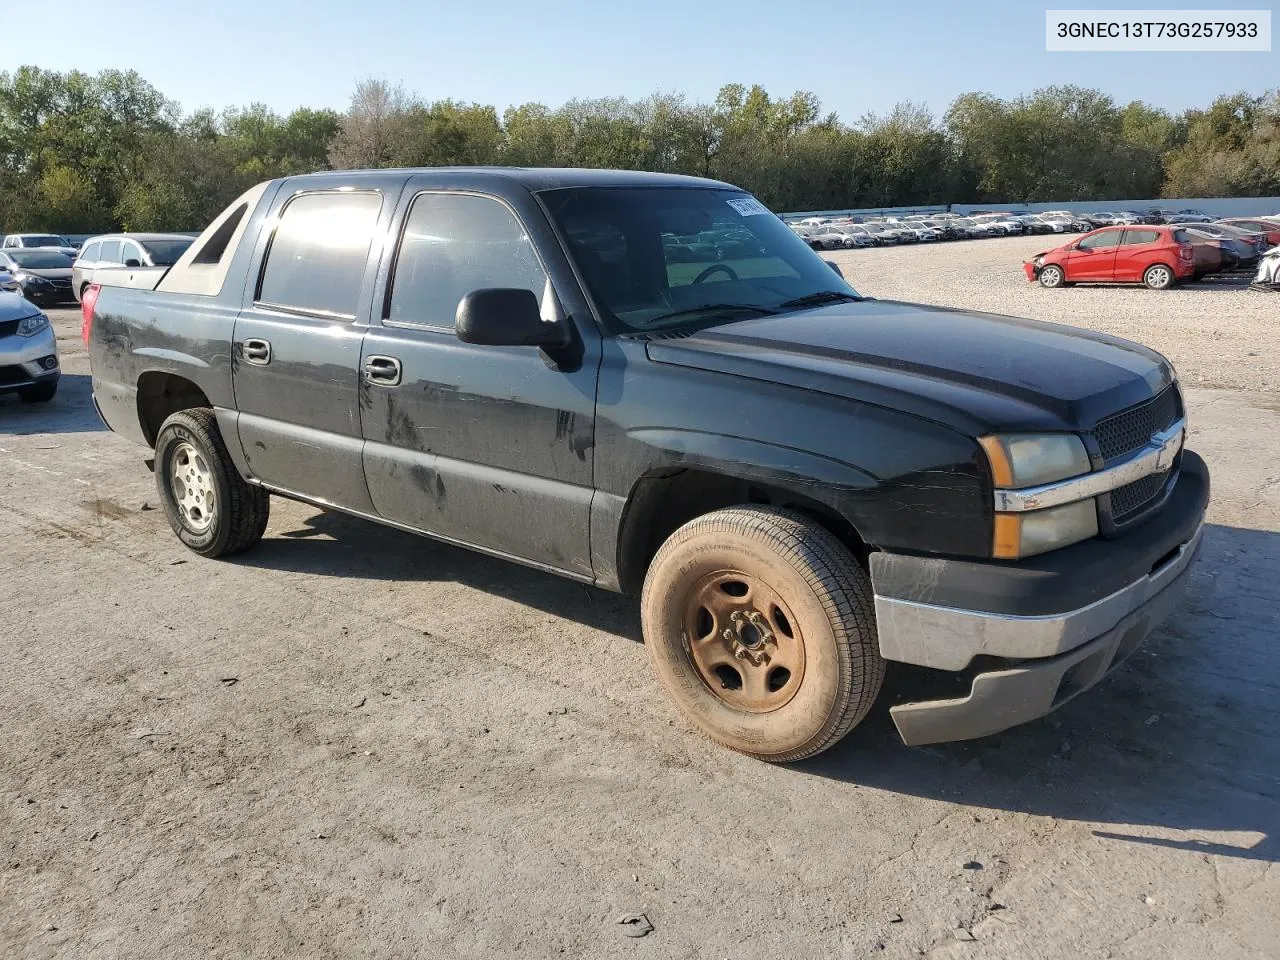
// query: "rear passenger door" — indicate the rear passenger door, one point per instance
point(1136, 252)
point(296, 344)
point(483, 445)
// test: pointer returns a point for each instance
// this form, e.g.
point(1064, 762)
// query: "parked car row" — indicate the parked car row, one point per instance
point(46, 270)
point(850, 232)
point(1157, 255)
point(832, 233)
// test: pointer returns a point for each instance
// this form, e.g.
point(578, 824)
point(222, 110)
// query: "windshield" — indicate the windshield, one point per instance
point(659, 258)
point(39, 260)
point(42, 240)
point(165, 253)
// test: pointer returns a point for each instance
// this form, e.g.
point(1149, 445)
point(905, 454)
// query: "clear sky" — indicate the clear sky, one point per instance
point(856, 56)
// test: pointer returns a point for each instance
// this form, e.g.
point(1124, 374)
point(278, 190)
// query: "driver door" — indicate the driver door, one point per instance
point(1095, 256)
point(490, 446)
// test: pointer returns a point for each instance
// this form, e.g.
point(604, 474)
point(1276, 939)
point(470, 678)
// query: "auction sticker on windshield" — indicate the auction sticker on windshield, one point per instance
point(748, 206)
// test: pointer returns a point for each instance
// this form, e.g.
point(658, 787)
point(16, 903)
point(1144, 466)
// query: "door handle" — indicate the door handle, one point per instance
point(256, 351)
point(384, 371)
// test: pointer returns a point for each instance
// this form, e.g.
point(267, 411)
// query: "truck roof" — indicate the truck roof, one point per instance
point(548, 178)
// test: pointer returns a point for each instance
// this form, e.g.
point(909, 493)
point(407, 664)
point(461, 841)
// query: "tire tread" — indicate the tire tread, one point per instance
point(843, 589)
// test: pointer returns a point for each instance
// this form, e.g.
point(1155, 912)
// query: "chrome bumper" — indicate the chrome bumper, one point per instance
point(947, 638)
point(1081, 647)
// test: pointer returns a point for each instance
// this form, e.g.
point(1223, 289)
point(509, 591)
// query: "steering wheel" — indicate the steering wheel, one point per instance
point(713, 269)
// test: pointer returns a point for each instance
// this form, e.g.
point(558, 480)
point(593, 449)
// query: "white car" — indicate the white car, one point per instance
point(41, 241)
point(1001, 225)
point(828, 237)
point(854, 235)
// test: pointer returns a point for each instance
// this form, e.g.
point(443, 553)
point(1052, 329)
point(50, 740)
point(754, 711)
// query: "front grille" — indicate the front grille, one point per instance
point(1133, 497)
point(1130, 430)
point(11, 375)
point(9, 328)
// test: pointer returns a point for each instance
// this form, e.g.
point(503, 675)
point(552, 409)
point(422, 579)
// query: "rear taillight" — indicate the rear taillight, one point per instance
point(1186, 252)
point(87, 301)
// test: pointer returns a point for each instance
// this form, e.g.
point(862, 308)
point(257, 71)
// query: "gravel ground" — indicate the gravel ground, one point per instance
point(1217, 332)
point(354, 743)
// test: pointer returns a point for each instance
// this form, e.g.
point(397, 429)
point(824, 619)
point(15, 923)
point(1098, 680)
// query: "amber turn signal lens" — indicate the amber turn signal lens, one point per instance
point(998, 457)
point(1007, 542)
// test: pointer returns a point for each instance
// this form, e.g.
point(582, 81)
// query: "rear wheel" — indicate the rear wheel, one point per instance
point(1052, 276)
point(761, 627)
point(209, 505)
point(1158, 277)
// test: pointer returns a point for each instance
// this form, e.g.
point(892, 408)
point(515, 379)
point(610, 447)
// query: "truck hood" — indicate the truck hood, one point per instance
point(14, 307)
point(977, 372)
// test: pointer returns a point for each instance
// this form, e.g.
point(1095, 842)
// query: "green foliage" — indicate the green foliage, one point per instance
point(83, 153)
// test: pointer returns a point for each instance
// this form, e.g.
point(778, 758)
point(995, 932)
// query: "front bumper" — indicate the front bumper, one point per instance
point(1047, 629)
point(24, 361)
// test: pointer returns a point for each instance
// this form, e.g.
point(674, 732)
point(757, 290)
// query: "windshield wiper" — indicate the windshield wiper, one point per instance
point(715, 308)
point(817, 299)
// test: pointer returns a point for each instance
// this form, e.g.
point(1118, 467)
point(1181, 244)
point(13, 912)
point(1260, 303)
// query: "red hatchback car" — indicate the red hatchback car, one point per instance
point(1156, 256)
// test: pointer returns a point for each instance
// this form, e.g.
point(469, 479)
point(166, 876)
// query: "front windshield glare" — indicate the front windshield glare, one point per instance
point(659, 258)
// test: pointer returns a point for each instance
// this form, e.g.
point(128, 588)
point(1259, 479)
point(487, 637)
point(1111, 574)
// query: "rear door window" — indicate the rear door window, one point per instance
point(90, 253)
point(1132, 237)
point(316, 260)
point(110, 252)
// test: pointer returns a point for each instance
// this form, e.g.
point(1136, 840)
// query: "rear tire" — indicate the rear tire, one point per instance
point(41, 394)
point(209, 505)
point(1158, 277)
point(761, 627)
point(1052, 276)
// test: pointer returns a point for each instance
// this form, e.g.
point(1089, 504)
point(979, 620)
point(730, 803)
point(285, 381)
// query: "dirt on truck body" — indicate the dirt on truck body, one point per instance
point(649, 383)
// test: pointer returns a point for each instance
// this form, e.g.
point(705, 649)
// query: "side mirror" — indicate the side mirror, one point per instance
point(506, 318)
point(132, 262)
point(836, 267)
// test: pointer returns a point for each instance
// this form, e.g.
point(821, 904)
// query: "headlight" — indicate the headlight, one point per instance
point(27, 278)
point(1020, 461)
point(1027, 460)
point(32, 325)
point(1027, 534)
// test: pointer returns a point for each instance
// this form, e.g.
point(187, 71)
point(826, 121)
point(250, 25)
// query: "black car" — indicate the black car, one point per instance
point(43, 276)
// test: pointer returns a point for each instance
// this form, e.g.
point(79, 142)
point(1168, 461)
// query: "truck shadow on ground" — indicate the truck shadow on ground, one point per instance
point(71, 411)
point(337, 545)
point(1177, 743)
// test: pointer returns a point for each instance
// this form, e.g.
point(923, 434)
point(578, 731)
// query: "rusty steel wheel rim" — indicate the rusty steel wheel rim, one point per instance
point(743, 641)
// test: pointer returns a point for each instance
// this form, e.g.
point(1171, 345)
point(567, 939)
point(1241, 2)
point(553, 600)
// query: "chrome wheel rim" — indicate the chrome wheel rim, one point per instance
point(1050, 276)
point(191, 483)
point(1159, 277)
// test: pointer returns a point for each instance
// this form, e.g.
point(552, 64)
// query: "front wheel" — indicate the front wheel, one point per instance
point(1158, 277)
point(1052, 276)
point(761, 627)
point(209, 505)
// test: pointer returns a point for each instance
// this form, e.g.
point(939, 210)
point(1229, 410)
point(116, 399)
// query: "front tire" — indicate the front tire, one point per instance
point(209, 505)
point(761, 627)
point(1158, 277)
point(1051, 276)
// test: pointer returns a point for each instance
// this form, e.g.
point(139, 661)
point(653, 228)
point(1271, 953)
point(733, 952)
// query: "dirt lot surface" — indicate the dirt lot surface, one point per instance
point(353, 743)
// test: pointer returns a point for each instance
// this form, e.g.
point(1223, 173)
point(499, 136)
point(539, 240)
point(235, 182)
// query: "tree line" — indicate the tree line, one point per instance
point(85, 153)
